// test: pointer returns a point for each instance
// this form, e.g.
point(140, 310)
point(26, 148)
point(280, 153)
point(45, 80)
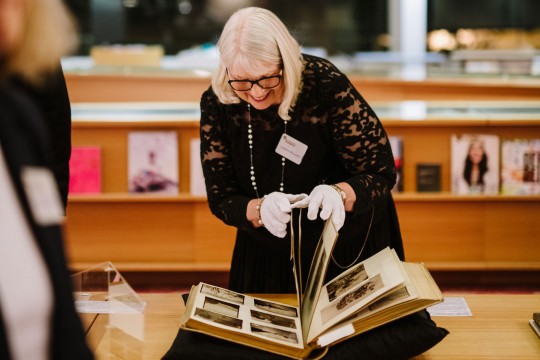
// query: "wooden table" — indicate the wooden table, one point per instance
point(498, 329)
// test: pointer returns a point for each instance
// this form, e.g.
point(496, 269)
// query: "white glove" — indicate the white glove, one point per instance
point(275, 211)
point(329, 201)
point(298, 201)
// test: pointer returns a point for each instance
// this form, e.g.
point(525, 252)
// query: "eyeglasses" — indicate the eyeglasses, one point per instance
point(267, 82)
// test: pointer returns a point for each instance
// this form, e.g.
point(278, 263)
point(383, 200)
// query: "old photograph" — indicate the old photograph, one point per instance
point(219, 318)
point(273, 319)
point(275, 308)
point(222, 293)
point(221, 307)
point(345, 282)
point(396, 295)
point(273, 333)
point(353, 297)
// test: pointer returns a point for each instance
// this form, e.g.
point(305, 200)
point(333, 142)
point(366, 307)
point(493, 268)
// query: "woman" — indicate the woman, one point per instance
point(476, 166)
point(267, 97)
point(38, 320)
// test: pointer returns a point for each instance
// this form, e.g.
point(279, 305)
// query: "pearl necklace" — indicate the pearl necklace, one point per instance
point(252, 168)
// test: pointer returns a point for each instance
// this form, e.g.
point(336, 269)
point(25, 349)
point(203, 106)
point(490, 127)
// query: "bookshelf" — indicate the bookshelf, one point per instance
point(151, 233)
point(132, 84)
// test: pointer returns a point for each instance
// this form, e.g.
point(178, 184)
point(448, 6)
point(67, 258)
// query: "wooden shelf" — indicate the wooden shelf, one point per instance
point(158, 234)
point(135, 198)
point(188, 86)
point(398, 197)
point(484, 266)
point(449, 197)
point(159, 267)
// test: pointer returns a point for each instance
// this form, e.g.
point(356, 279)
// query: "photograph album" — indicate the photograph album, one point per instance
point(369, 294)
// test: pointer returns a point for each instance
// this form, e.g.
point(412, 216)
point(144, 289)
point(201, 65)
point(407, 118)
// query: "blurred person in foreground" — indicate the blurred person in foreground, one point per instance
point(38, 320)
point(52, 98)
point(277, 125)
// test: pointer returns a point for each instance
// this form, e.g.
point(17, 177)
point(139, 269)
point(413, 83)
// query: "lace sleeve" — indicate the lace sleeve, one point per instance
point(225, 197)
point(362, 145)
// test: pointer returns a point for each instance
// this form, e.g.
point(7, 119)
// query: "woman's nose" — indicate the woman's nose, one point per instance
point(257, 91)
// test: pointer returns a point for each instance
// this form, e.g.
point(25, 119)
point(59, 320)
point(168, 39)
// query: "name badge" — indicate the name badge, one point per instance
point(43, 196)
point(291, 149)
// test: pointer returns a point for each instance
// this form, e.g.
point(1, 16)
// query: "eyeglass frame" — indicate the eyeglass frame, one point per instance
point(253, 82)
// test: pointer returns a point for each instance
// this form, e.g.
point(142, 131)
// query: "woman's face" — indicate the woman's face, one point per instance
point(476, 152)
point(257, 96)
point(11, 24)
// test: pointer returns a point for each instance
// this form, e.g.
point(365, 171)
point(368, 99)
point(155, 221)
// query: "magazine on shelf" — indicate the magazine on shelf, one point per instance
point(196, 181)
point(396, 143)
point(428, 177)
point(85, 170)
point(475, 164)
point(371, 293)
point(153, 162)
point(520, 166)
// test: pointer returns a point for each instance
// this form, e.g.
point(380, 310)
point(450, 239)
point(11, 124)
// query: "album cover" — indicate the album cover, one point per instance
point(153, 162)
point(197, 186)
point(428, 177)
point(85, 170)
point(520, 166)
point(396, 143)
point(475, 164)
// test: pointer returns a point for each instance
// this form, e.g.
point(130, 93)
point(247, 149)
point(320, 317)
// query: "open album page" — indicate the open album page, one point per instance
point(355, 289)
point(419, 292)
point(317, 273)
point(296, 244)
point(242, 314)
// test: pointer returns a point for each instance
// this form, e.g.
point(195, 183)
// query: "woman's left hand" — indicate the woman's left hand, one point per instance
point(327, 199)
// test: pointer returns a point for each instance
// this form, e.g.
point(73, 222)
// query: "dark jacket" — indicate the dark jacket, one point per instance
point(52, 100)
point(23, 139)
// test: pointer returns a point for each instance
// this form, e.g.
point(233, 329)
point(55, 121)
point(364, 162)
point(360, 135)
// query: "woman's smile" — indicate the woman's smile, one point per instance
point(260, 98)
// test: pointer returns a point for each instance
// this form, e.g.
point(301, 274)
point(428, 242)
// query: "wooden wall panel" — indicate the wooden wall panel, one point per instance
point(148, 235)
point(136, 88)
point(441, 232)
point(189, 87)
point(472, 233)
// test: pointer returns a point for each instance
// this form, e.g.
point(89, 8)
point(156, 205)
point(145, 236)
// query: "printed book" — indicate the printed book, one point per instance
point(535, 323)
point(369, 294)
point(153, 162)
point(475, 164)
point(85, 170)
point(396, 143)
point(196, 177)
point(520, 166)
point(428, 177)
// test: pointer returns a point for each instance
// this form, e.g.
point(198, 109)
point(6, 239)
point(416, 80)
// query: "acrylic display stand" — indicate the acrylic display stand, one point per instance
point(102, 289)
point(108, 305)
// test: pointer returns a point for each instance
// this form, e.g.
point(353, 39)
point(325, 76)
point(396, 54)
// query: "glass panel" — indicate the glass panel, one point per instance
point(339, 26)
point(112, 312)
point(102, 289)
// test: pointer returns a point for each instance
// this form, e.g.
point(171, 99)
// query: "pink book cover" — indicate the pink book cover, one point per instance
point(153, 162)
point(85, 170)
point(396, 143)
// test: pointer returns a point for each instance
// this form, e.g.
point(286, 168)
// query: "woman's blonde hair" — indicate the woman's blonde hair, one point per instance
point(253, 36)
point(49, 32)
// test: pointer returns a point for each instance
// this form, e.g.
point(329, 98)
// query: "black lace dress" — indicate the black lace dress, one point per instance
point(346, 142)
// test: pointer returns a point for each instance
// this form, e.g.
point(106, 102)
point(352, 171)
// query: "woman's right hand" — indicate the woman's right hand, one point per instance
point(276, 211)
